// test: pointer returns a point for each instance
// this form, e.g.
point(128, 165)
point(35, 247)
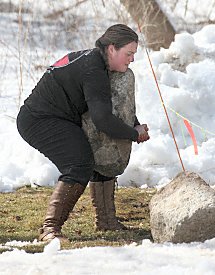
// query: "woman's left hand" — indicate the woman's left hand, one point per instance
point(143, 133)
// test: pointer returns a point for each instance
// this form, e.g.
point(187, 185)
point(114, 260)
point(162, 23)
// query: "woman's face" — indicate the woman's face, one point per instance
point(119, 60)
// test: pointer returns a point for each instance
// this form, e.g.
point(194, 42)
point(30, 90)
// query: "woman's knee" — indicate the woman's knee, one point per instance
point(97, 177)
point(78, 173)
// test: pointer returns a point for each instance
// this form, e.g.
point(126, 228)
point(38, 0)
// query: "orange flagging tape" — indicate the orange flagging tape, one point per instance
point(190, 130)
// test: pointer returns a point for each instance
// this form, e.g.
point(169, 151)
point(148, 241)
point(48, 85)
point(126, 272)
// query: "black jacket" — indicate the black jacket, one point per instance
point(75, 84)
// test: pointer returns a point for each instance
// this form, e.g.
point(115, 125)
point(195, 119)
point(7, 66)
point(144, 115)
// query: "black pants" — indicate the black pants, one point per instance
point(62, 142)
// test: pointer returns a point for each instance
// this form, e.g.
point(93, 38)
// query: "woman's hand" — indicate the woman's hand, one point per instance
point(143, 133)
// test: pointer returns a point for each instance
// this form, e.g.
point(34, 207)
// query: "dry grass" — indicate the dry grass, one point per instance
point(22, 213)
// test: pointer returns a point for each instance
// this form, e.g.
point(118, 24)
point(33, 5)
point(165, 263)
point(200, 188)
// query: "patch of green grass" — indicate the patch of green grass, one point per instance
point(22, 214)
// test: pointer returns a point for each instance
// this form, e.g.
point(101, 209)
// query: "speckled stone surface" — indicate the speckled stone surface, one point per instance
point(183, 211)
point(112, 155)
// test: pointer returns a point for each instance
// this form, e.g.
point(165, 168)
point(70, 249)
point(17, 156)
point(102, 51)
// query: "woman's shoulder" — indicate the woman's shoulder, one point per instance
point(95, 59)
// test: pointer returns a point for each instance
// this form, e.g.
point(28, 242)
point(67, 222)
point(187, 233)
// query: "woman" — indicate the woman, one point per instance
point(50, 121)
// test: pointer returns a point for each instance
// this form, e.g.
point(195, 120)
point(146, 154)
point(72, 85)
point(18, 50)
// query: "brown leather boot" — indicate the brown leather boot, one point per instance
point(61, 203)
point(102, 195)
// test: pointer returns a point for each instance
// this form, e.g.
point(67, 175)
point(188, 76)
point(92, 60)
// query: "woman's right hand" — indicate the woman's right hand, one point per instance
point(143, 133)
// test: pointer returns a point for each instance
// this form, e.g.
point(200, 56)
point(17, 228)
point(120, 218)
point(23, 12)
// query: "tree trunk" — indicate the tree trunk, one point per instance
point(155, 26)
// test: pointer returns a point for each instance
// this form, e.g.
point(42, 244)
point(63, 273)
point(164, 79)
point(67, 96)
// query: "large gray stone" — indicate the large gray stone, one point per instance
point(183, 211)
point(112, 155)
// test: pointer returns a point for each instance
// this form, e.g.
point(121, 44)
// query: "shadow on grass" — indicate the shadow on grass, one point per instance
point(125, 236)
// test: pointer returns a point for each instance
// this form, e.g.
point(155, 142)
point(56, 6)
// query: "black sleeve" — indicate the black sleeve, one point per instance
point(136, 122)
point(97, 94)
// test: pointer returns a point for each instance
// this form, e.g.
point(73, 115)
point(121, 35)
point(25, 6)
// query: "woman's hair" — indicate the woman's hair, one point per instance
point(118, 35)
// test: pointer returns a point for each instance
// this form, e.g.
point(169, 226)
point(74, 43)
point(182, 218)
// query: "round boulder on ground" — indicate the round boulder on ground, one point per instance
point(183, 210)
